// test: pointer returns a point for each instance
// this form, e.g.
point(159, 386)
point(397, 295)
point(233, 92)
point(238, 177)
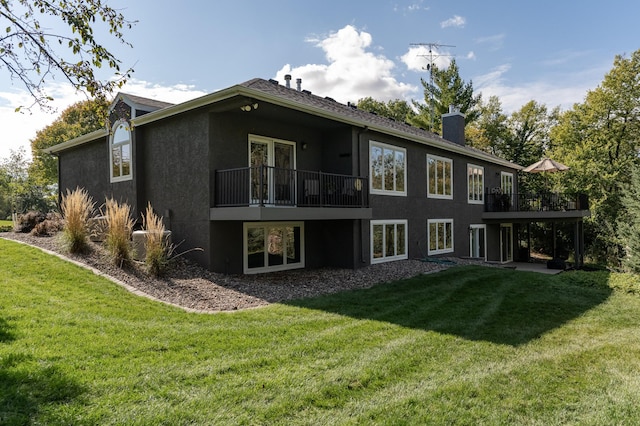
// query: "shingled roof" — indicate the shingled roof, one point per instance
point(350, 111)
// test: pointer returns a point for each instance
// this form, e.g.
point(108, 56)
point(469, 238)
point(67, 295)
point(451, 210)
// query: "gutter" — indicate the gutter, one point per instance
point(80, 140)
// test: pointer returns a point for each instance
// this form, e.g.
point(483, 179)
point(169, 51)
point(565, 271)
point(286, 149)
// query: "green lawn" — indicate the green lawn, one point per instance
point(471, 345)
point(6, 225)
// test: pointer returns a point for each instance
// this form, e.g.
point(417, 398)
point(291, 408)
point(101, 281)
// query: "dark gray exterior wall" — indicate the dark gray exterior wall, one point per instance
point(87, 166)
point(175, 158)
point(327, 243)
point(417, 208)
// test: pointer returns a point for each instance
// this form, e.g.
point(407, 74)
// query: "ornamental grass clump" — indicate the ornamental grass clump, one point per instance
point(77, 208)
point(155, 245)
point(119, 227)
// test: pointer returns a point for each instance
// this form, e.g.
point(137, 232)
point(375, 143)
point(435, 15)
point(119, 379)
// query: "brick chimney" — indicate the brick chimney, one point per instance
point(453, 126)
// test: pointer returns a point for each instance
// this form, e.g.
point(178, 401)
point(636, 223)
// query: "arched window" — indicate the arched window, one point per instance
point(121, 152)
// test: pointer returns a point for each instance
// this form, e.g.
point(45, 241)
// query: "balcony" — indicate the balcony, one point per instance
point(540, 206)
point(269, 193)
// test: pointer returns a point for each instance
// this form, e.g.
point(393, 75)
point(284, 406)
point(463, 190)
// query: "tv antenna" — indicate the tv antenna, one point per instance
point(432, 56)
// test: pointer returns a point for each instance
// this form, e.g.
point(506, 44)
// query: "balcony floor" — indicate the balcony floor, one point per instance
point(535, 216)
point(274, 213)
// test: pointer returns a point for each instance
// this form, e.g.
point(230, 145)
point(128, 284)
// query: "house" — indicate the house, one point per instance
point(265, 177)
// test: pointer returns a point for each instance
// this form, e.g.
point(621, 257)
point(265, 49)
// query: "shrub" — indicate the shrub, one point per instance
point(77, 207)
point(28, 221)
point(155, 244)
point(52, 224)
point(119, 228)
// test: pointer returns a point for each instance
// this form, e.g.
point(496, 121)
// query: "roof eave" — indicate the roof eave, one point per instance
point(80, 140)
point(259, 95)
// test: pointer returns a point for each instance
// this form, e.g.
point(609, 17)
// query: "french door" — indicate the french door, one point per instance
point(477, 241)
point(272, 165)
point(506, 243)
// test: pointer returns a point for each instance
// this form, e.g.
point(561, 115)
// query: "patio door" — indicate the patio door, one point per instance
point(506, 243)
point(506, 185)
point(477, 242)
point(274, 183)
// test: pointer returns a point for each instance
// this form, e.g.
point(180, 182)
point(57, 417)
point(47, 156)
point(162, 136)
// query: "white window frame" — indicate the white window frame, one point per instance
point(473, 228)
point(383, 191)
point(386, 257)
point(112, 144)
point(450, 239)
point(438, 158)
point(503, 177)
point(509, 248)
point(475, 184)
point(285, 266)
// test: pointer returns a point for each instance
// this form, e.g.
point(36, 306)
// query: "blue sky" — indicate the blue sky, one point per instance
point(549, 51)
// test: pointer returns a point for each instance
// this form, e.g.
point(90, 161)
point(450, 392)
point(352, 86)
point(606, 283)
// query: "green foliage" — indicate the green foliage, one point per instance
point(119, 228)
point(490, 131)
point(629, 223)
point(32, 53)
point(480, 345)
point(447, 89)
point(20, 192)
point(77, 207)
point(78, 119)
point(396, 109)
point(599, 140)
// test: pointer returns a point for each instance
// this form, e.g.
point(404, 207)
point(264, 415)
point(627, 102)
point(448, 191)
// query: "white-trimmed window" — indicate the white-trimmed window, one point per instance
point(388, 169)
point(388, 240)
point(273, 246)
point(440, 236)
point(440, 177)
point(475, 184)
point(120, 152)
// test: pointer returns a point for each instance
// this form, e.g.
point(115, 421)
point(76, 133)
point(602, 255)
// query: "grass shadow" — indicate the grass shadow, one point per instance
point(476, 303)
point(6, 333)
point(27, 390)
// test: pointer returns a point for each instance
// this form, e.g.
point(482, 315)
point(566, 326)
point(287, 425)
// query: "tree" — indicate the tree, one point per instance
point(77, 120)
point(600, 139)
point(489, 132)
point(447, 89)
point(396, 109)
point(31, 54)
point(629, 223)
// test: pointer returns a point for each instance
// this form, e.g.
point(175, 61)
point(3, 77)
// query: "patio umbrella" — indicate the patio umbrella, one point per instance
point(546, 165)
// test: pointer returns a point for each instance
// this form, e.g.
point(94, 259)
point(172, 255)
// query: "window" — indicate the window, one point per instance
point(506, 183)
point(120, 152)
point(273, 246)
point(475, 184)
point(388, 169)
point(440, 176)
point(440, 236)
point(388, 240)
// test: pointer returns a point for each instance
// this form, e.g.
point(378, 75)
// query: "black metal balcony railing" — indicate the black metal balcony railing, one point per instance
point(535, 202)
point(273, 186)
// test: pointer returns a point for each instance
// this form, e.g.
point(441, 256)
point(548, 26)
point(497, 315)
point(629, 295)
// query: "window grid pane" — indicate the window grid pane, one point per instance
point(440, 177)
point(440, 236)
point(388, 168)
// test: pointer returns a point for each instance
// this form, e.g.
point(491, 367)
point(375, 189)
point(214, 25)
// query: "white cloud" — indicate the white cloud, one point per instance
point(495, 41)
point(21, 127)
point(352, 72)
point(457, 21)
point(418, 57)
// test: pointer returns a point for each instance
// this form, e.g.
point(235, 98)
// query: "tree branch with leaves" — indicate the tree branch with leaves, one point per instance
point(33, 54)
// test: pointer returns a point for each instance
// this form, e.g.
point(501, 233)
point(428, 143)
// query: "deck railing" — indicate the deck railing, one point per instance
point(273, 186)
point(547, 201)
